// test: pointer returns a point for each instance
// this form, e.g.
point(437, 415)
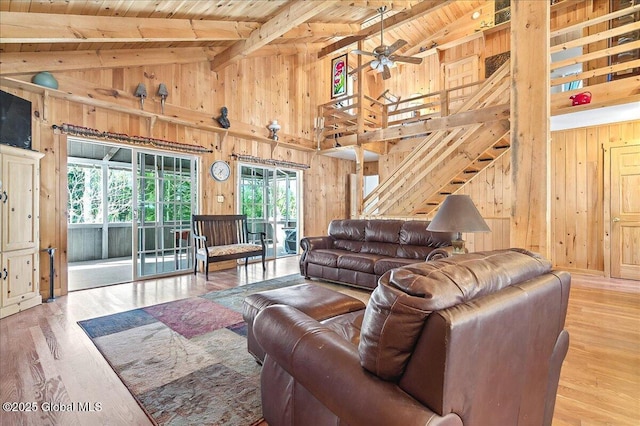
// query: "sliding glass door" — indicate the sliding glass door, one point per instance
point(165, 194)
point(129, 213)
point(270, 198)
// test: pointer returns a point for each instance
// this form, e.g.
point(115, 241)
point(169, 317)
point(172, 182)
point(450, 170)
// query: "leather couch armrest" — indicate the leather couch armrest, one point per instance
point(312, 243)
point(328, 366)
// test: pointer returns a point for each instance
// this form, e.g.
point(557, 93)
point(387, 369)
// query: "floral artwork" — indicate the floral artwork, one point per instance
point(339, 76)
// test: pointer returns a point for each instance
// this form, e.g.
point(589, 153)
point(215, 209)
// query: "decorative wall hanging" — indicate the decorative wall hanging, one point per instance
point(71, 129)
point(339, 76)
point(268, 161)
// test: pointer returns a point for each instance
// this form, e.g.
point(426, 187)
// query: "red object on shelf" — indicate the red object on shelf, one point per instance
point(581, 98)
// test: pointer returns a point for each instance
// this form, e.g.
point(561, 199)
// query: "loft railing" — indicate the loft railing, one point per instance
point(346, 116)
point(600, 56)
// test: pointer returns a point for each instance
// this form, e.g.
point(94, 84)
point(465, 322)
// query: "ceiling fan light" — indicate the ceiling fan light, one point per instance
point(375, 64)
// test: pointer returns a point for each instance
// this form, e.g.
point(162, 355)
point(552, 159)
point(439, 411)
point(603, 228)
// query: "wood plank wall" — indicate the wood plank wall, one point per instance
point(578, 196)
point(578, 192)
point(256, 91)
point(289, 88)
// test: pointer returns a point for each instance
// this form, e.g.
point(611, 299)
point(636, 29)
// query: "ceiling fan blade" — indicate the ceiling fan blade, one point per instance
point(386, 73)
point(408, 59)
point(363, 66)
point(395, 46)
point(363, 52)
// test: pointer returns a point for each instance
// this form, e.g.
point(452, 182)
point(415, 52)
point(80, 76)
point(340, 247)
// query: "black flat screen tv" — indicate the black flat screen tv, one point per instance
point(15, 121)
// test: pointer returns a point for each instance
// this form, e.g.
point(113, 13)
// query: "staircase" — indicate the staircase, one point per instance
point(446, 159)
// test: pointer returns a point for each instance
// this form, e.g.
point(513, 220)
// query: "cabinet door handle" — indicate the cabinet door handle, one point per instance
point(4, 197)
point(6, 274)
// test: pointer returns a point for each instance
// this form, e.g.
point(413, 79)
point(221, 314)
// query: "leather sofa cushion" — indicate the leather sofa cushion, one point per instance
point(353, 246)
point(324, 257)
point(348, 229)
point(384, 265)
point(346, 325)
point(383, 249)
point(414, 232)
point(413, 252)
point(406, 296)
point(358, 262)
point(383, 231)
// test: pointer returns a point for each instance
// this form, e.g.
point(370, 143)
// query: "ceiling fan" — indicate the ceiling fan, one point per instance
point(383, 55)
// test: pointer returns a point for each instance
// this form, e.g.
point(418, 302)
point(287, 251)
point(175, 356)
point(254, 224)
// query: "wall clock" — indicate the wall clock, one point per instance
point(220, 170)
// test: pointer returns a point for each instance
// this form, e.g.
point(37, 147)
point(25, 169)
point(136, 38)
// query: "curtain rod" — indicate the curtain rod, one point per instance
point(72, 129)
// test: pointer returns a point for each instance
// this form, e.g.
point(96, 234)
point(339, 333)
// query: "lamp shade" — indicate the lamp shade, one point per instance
point(458, 214)
point(141, 91)
point(274, 126)
point(162, 90)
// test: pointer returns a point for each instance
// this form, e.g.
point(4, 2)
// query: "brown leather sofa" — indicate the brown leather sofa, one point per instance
point(358, 251)
point(474, 339)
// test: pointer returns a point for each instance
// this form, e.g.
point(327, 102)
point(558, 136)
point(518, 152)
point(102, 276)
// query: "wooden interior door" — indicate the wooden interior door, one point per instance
point(625, 212)
point(457, 74)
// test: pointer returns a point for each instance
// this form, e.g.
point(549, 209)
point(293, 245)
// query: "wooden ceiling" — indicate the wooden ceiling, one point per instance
point(227, 30)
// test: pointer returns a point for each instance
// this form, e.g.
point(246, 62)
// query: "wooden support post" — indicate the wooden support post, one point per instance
point(530, 137)
point(360, 100)
point(359, 151)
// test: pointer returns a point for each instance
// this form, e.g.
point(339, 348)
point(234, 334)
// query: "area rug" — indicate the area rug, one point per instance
point(186, 361)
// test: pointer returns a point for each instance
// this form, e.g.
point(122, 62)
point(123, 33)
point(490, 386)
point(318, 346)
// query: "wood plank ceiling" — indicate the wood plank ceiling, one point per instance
point(225, 30)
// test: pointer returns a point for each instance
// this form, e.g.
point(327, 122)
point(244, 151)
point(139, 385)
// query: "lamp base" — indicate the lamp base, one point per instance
point(458, 245)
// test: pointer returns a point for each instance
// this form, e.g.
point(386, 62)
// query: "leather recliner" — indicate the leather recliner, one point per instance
point(473, 339)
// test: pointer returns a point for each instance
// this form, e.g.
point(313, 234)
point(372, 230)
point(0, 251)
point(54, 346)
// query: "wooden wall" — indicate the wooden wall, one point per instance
point(255, 90)
point(578, 193)
point(578, 196)
point(490, 190)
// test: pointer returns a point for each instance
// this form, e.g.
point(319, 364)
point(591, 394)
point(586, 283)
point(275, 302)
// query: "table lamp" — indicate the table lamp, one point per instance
point(458, 214)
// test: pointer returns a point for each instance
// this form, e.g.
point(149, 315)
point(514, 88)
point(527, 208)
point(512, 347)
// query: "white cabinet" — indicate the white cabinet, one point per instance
point(20, 229)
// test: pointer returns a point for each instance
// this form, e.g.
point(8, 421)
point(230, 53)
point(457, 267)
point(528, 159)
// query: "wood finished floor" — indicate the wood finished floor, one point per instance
point(45, 356)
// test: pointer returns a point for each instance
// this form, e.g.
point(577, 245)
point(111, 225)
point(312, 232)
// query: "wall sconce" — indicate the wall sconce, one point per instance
point(274, 127)
point(141, 92)
point(163, 93)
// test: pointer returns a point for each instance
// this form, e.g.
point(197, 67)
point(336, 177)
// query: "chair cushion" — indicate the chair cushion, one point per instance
point(406, 296)
point(232, 249)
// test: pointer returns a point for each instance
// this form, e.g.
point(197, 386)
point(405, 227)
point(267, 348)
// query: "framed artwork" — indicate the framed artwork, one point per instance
point(339, 76)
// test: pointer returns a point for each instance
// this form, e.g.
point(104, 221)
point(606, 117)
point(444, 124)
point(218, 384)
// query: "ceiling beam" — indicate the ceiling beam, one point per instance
point(16, 63)
point(23, 27)
point(292, 15)
point(391, 22)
